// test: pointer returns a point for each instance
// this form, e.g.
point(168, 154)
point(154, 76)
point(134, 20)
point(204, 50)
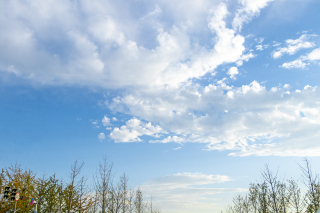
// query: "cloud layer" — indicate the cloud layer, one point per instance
point(155, 54)
point(249, 120)
point(64, 42)
point(188, 192)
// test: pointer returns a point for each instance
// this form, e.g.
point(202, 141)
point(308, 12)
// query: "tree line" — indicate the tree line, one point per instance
point(74, 195)
point(273, 195)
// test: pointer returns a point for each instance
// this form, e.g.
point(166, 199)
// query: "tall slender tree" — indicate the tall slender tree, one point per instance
point(274, 189)
point(72, 188)
point(312, 183)
point(124, 191)
point(139, 204)
point(253, 197)
point(41, 190)
point(297, 200)
point(103, 181)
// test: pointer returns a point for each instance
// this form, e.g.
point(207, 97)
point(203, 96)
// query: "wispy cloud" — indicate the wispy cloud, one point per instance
point(156, 11)
point(187, 192)
point(293, 46)
point(303, 61)
point(248, 10)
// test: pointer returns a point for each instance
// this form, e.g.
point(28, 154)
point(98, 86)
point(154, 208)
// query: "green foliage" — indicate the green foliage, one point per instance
point(75, 196)
point(22, 180)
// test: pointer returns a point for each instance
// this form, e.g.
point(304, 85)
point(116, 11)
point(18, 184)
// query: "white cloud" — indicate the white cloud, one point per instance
point(95, 123)
point(93, 45)
point(188, 179)
point(294, 46)
point(258, 122)
point(133, 130)
point(248, 10)
point(294, 64)
point(259, 47)
point(101, 136)
point(313, 56)
point(262, 47)
point(169, 139)
point(106, 121)
point(230, 94)
point(260, 40)
point(276, 44)
point(233, 71)
point(106, 31)
point(287, 86)
point(245, 57)
point(114, 119)
point(156, 11)
point(187, 192)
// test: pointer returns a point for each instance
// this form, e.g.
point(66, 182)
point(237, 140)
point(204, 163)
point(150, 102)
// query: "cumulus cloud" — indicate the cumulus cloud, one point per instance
point(233, 71)
point(287, 86)
point(133, 129)
point(247, 120)
point(294, 64)
point(313, 56)
point(294, 46)
point(93, 45)
point(187, 192)
point(106, 121)
point(101, 136)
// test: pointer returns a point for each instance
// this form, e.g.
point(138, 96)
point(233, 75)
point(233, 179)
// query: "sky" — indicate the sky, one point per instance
point(191, 99)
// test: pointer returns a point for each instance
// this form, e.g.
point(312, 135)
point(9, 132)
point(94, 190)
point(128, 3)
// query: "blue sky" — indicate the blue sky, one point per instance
point(190, 99)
